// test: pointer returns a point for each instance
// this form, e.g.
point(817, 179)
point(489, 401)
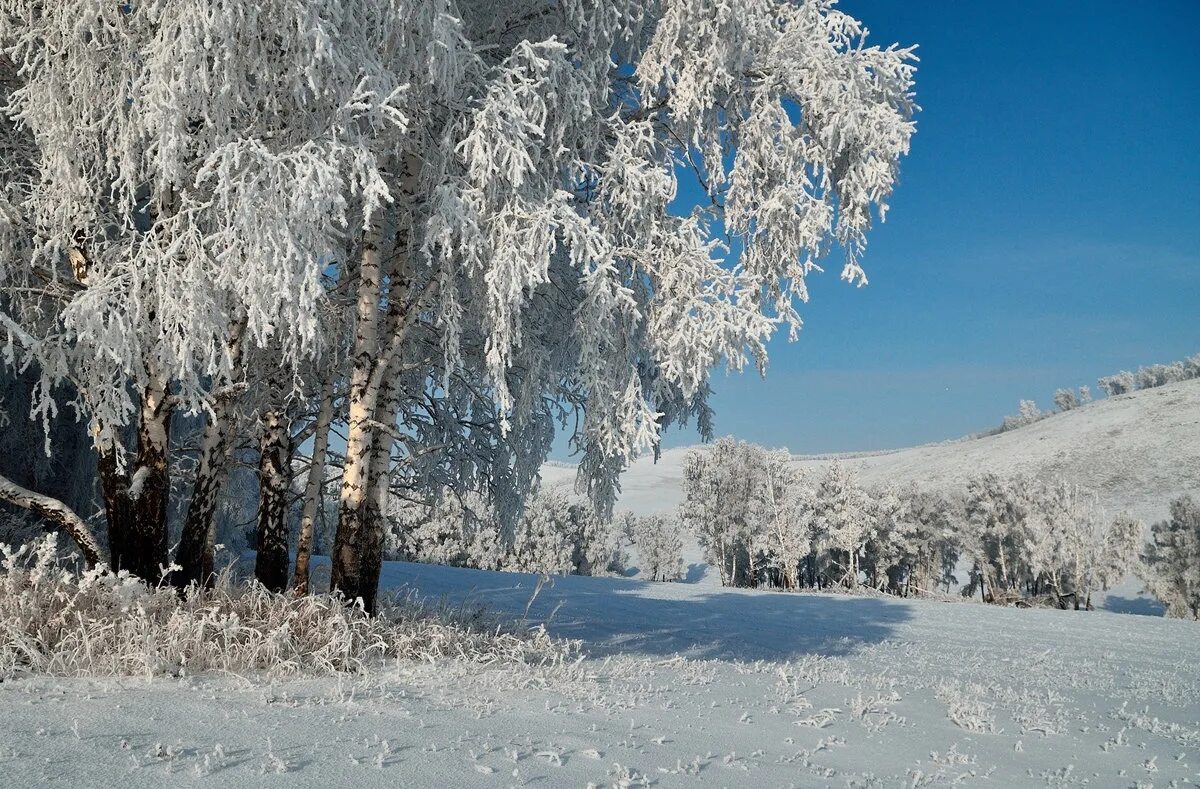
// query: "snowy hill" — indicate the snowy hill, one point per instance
point(1137, 451)
point(681, 685)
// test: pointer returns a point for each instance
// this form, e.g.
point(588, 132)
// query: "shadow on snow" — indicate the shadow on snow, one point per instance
point(625, 616)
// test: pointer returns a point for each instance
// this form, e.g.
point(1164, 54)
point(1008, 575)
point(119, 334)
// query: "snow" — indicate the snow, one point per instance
point(684, 684)
point(691, 684)
point(1137, 451)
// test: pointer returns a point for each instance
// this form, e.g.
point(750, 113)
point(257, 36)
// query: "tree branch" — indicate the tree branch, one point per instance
point(55, 511)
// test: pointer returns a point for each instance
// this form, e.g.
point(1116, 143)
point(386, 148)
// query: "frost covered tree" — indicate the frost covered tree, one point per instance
point(596, 542)
point(1096, 552)
point(1027, 413)
point(485, 188)
point(933, 545)
point(1121, 383)
point(789, 520)
point(151, 218)
point(723, 505)
point(659, 543)
point(844, 518)
point(541, 540)
point(1065, 399)
point(997, 517)
point(786, 522)
point(892, 543)
point(1171, 560)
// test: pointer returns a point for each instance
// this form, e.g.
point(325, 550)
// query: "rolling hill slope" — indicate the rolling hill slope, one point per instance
point(1137, 451)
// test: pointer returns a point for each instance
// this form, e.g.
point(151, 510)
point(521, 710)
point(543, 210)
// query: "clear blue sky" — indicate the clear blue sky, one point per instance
point(1046, 230)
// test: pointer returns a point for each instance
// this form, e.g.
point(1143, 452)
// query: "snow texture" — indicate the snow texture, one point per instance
point(684, 686)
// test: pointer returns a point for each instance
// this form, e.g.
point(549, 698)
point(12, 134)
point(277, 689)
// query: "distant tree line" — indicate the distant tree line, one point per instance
point(1125, 382)
point(1120, 383)
point(763, 522)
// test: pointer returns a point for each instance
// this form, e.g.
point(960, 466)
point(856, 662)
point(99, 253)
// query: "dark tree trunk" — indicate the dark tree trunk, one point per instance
point(136, 504)
point(271, 562)
point(194, 554)
point(313, 490)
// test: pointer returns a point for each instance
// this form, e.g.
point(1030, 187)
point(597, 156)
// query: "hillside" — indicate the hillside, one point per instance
point(1137, 451)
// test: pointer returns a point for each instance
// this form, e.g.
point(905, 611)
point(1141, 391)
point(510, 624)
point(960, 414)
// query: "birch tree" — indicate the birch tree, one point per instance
point(844, 517)
point(1171, 560)
point(489, 188)
point(152, 209)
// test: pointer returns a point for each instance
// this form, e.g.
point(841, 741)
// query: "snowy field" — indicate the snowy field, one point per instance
point(682, 684)
point(691, 684)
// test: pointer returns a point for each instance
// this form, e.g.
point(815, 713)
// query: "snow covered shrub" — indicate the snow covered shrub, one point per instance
point(1191, 366)
point(1151, 376)
point(56, 621)
point(1027, 413)
point(1119, 384)
point(1171, 561)
point(552, 536)
point(659, 542)
point(454, 531)
point(1065, 399)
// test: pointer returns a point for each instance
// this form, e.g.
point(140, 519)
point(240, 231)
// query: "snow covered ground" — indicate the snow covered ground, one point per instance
point(690, 684)
point(683, 684)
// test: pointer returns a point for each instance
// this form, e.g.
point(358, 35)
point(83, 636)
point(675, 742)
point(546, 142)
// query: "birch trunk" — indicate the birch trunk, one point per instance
point(136, 505)
point(195, 552)
point(271, 560)
point(57, 513)
point(313, 488)
point(347, 572)
point(358, 547)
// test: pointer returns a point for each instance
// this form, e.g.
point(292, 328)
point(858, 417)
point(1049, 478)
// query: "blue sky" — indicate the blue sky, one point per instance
point(1046, 230)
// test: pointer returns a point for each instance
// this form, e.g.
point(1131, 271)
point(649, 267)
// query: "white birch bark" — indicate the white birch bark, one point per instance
point(56, 512)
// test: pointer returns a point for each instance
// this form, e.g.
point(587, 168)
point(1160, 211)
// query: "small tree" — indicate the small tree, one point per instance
point(1171, 561)
point(659, 542)
point(997, 519)
point(596, 542)
point(844, 518)
point(1027, 414)
point(1065, 399)
point(722, 505)
point(1097, 552)
point(1119, 384)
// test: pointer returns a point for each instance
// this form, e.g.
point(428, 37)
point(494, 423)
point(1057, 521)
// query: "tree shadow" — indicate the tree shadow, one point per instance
point(1141, 605)
point(695, 573)
point(614, 616)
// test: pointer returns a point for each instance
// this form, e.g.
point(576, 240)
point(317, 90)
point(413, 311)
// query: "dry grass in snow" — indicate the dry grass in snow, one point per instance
point(54, 620)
